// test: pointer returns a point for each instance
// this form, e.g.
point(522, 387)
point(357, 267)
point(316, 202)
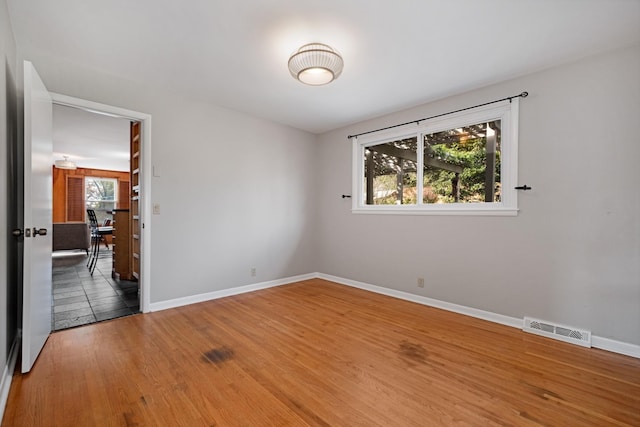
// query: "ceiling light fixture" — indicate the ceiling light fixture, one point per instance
point(65, 164)
point(316, 64)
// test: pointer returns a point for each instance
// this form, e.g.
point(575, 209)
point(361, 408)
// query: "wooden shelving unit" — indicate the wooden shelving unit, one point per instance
point(135, 200)
point(121, 245)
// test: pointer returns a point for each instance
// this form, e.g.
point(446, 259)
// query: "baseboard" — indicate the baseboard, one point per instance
point(461, 309)
point(7, 374)
point(614, 346)
point(179, 302)
point(602, 343)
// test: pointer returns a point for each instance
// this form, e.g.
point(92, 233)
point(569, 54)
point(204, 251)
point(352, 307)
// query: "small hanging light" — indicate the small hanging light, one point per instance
point(316, 64)
point(65, 164)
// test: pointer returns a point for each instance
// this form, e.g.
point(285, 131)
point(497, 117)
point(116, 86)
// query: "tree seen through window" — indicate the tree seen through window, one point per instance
point(100, 195)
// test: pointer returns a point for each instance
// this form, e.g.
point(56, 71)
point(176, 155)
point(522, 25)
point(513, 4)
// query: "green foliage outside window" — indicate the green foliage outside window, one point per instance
point(457, 167)
point(472, 156)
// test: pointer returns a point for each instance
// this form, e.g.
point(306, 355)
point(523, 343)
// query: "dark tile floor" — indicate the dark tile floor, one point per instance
point(80, 299)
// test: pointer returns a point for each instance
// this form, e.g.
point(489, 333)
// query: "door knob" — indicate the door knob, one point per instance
point(17, 232)
point(39, 231)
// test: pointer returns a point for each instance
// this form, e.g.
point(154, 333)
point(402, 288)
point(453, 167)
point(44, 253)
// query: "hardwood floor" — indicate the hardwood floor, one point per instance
point(319, 354)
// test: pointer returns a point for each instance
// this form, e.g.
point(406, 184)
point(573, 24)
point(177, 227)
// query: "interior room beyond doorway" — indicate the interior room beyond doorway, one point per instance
point(92, 173)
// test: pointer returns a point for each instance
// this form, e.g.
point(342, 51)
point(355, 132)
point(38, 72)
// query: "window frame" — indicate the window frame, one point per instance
point(505, 111)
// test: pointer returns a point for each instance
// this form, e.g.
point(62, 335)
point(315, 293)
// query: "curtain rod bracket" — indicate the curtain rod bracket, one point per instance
point(523, 187)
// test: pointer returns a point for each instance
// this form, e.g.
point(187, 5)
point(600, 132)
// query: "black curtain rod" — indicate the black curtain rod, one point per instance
point(509, 98)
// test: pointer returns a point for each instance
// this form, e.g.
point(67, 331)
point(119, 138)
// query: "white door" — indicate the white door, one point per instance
point(38, 188)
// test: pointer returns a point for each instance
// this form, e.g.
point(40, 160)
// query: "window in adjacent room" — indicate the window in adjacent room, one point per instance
point(462, 163)
point(100, 195)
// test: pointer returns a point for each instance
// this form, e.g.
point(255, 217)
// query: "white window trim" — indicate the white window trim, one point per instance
point(506, 111)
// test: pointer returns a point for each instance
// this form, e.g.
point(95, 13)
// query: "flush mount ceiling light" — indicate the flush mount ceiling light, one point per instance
point(316, 64)
point(65, 164)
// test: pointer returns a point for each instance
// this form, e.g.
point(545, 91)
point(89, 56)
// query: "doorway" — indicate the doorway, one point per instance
point(91, 175)
point(89, 295)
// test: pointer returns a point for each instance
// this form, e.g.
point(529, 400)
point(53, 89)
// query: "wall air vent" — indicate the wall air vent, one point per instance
point(558, 332)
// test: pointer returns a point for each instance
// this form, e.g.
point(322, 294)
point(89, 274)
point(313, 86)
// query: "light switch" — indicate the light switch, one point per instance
point(156, 171)
point(156, 208)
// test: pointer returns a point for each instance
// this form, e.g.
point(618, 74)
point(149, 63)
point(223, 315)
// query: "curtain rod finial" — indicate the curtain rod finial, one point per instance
point(524, 94)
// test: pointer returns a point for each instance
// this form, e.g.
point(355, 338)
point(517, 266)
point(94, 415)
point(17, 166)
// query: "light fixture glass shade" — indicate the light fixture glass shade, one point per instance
point(65, 164)
point(316, 64)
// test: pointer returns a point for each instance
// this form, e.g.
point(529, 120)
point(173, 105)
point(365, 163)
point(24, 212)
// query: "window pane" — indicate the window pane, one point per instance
point(100, 195)
point(390, 173)
point(100, 189)
point(462, 165)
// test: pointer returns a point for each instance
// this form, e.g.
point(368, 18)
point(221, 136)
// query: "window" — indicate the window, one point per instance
point(100, 195)
point(461, 163)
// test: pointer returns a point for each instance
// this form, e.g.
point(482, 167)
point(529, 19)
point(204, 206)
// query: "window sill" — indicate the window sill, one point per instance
point(432, 210)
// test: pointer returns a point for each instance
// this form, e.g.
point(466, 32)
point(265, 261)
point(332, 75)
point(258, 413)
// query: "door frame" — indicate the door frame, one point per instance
point(145, 177)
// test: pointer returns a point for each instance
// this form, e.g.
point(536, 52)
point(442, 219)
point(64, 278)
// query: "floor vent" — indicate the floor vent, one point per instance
point(558, 332)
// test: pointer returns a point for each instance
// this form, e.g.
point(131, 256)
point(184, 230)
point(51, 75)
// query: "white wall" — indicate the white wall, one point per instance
point(6, 38)
point(235, 192)
point(572, 255)
point(9, 258)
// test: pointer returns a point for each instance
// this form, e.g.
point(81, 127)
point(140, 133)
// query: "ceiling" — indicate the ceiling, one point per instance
point(397, 54)
point(90, 140)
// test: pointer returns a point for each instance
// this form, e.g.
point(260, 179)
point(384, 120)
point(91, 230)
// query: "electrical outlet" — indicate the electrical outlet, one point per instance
point(421, 282)
point(156, 208)
point(253, 272)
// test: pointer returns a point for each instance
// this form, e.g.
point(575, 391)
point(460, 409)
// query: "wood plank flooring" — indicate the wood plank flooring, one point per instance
point(315, 353)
